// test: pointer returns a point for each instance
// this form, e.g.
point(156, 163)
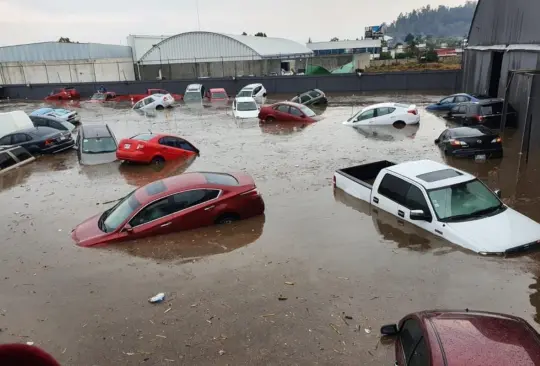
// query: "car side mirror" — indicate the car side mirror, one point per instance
point(418, 215)
point(127, 229)
point(264, 94)
point(437, 141)
point(498, 193)
point(389, 330)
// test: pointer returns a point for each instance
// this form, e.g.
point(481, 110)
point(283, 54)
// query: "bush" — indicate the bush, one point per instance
point(431, 56)
point(385, 56)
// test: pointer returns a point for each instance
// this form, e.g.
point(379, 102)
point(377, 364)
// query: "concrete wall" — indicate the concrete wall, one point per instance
point(330, 62)
point(80, 71)
point(439, 81)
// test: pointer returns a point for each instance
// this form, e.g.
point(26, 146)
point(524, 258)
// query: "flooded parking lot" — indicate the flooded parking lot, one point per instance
point(322, 252)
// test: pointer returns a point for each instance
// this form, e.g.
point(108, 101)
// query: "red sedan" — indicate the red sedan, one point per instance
point(287, 111)
point(154, 148)
point(217, 94)
point(63, 94)
point(182, 202)
point(472, 338)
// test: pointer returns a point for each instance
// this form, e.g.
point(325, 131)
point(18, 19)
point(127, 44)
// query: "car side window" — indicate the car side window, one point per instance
point(19, 138)
point(153, 211)
point(192, 198)
point(367, 115)
point(148, 101)
point(447, 100)
point(415, 200)
point(304, 98)
point(296, 112)
point(257, 90)
point(384, 111)
point(183, 144)
point(167, 141)
point(283, 108)
point(394, 188)
point(6, 140)
point(314, 94)
point(413, 342)
point(461, 99)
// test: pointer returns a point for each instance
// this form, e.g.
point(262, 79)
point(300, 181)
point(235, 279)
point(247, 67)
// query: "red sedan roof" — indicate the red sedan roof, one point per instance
point(217, 90)
point(166, 186)
point(297, 105)
point(481, 338)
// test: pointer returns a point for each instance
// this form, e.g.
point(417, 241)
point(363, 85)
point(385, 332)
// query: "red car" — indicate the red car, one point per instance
point(464, 338)
point(64, 94)
point(103, 97)
point(154, 148)
point(287, 111)
point(182, 202)
point(217, 94)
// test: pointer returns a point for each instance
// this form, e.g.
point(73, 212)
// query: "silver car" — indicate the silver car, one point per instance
point(96, 144)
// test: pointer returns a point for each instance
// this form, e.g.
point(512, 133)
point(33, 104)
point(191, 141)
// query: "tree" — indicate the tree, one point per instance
point(335, 39)
point(260, 34)
point(244, 33)
point(385, 56)
point(409, 38)
point(64, 40)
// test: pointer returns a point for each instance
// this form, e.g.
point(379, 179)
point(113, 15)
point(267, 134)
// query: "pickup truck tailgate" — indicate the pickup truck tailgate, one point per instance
point(357, 180)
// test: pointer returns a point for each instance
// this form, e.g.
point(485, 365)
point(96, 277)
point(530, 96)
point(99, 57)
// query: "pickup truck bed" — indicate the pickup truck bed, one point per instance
point(358, 180)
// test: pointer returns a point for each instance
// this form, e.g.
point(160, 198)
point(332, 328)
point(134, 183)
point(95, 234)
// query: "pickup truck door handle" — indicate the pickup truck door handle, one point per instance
point(209, 208)
point(401, 213)
point(167, 224)
point(375, 199)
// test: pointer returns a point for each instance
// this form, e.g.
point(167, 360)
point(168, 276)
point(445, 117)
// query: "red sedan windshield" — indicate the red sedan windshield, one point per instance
point(114, 217)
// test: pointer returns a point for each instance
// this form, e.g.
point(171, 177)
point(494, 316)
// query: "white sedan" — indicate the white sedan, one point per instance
point(245, 107)
point(385, 114)
point(154, 101)
point(256, 91)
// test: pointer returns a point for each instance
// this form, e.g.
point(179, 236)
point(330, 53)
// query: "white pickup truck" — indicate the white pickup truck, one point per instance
point(447, 202)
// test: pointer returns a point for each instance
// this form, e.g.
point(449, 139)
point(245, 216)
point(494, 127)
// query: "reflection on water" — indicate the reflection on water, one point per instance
point(394, 229)
point(283, 128)
point(140, 175)
point(16, 176)
point(188, 246)
point(388, 133)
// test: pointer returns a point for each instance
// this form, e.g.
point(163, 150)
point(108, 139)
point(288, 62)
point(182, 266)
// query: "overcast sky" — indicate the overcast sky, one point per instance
point(111, 21)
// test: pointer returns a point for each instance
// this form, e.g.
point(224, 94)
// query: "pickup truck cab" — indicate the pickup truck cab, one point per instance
point(444, 201)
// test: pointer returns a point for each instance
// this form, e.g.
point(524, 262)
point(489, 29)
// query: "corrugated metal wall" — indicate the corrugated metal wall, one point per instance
point(476, 71)
point(499, 22)
point(55, 51)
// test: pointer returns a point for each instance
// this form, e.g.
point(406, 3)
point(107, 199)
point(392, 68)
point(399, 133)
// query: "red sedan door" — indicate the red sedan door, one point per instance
point(197, 208)
point(282, 112)
point(154, 219)
point(296, 115)
point(167, 148)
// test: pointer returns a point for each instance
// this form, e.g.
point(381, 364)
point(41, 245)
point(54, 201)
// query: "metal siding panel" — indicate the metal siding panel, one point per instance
point(54, 51)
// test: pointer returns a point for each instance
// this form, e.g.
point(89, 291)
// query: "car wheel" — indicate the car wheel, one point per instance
point(160, 108)
point(227, 219)
point(399, 124)
point(270, 119)
point(157, 160)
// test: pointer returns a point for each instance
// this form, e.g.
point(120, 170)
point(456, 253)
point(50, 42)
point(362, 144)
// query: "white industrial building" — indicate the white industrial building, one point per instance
point(209, 54)
point(56, 62)
point(347, 47)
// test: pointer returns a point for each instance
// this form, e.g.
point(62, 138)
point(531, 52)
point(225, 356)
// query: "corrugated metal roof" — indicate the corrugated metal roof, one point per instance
point(140, 44)
point(55, 51)
point(365, 43)
point(209, 46)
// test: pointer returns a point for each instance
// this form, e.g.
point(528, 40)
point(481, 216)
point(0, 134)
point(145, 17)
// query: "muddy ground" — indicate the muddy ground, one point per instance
point(223, 284)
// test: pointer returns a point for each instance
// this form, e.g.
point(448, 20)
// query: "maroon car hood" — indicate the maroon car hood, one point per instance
point(88, 233)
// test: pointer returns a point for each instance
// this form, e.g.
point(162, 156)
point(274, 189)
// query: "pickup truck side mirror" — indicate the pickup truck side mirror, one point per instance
point(419, 215)
point(498, 193)
point(127, 229)
point(389, 330)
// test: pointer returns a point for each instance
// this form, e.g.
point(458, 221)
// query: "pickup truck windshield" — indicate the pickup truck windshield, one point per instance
point(464, 201)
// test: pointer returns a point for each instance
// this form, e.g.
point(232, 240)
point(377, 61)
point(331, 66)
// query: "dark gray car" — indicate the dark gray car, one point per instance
point(52, 122)
point(311, 97)
point(96, 144)
point(39, 140)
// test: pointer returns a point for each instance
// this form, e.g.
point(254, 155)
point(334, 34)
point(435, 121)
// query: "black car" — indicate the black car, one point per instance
point(39, 140)
point(96, 144)
point(311, 97)
point(470, 141)
point(52, 122)
point(486, 112)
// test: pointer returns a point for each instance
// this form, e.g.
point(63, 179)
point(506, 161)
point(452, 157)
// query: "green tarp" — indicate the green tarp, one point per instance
point(316, 70)
point(345, 69)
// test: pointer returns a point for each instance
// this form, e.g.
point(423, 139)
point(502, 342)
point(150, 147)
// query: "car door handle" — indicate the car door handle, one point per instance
point(375, 199)
point(166, 224)
point(209, 208)
point(401, 213)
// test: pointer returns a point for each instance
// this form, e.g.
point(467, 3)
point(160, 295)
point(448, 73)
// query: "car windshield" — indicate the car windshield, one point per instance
point(70, 127)
point(464, 201)
point(246, 106)
point(97, 145)
point(114, 217)
point(308, 112)
point(191, 96)
point(219, 95)
point(245, 93)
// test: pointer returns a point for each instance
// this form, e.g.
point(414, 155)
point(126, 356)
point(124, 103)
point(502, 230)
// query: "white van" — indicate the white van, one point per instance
point(14, 121)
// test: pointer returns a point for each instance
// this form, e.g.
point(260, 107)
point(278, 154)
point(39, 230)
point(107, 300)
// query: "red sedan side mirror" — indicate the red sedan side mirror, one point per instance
point(127, 229)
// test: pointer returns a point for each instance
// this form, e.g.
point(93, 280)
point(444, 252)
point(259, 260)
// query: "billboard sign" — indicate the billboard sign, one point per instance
point(374, 32)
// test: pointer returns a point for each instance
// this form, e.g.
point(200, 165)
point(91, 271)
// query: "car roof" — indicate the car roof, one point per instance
point(413, 169)
point(245, 99)
point(380, 105)
point(297, 105)
point(251, 86)
point(41, 111)
point(169, 185)
point(37, 131)
point(96, 130)
point(217, 90)
point(483, 338)
point(470, 129)
point(194, 86)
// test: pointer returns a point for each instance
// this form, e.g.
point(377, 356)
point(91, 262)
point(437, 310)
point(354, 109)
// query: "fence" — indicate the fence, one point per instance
point(81, 71)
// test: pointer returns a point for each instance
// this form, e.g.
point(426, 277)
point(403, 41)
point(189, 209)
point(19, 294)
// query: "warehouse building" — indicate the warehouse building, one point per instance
point(58, 62)
point(502, 58)
point(208, 54)
point(334, 54)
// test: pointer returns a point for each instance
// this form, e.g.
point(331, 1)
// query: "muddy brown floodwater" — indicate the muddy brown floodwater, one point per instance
point(319, 249)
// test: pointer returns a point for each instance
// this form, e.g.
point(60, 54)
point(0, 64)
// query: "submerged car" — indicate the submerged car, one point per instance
point(245, 107)
point(153, 102)
point(39, 140)
point(154, 148)
point(194, 93)
point(256, 91)
point(451, 101)
point(385, 114)
point(14, 157)
point(66, 93)
point(474, 141)
point(103, 97)
point(182, 202)
point(311, 97)
point(59, 113)
point(96, 144)
point(217, 94)
point(52, 122)
point(287, 111)
point(487, 112)
point(472, 338)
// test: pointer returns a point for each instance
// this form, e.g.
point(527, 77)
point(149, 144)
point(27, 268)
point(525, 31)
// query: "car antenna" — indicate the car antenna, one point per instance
point(149, 131)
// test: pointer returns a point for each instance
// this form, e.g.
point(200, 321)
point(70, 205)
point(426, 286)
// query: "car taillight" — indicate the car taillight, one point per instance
point(457, 143)
point(49, 142)
point(480, 119)
point(140, 146)
point(253, 192)
point(497, 140)
point(412, 111)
